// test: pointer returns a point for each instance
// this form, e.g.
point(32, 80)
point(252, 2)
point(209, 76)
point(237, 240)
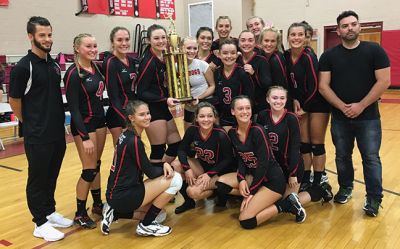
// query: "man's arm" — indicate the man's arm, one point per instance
point(327, 92)
point(16, 106)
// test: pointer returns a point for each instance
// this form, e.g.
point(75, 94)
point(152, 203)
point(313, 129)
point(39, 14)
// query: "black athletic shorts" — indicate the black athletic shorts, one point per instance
point(299, 172)
point(94, 124)
point(276, 182)
point(114, 120)
point(129, 201)
point(159, 111)
point(317, 105)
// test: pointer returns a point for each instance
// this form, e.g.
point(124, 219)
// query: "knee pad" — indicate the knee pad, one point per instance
point(318, 149)
point(98, 165)
point(249, 223)
point(305, 148)
point(157, 151)
point(88, 175)
point(223, 188)
point(175, 185)
point(172, 149)
point(315, 193)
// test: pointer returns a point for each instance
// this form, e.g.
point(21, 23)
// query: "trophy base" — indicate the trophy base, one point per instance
point(185, 99)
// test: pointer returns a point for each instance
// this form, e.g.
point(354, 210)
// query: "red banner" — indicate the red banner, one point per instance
point(3, 2)
point(98, 7)
point(167, 9)
point(390, 42)
point(123, 7)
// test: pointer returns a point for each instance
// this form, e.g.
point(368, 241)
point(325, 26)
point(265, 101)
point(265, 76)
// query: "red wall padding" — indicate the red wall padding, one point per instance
point(391, 44)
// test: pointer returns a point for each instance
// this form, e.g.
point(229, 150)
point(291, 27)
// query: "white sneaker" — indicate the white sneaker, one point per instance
point(57, 220)
point(47, 232)
point(108, 217)
point(154, 229)
point(161, 217)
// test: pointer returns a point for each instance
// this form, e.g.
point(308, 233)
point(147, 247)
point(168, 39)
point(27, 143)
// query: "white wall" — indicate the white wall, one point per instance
point(321, 13)
point(61, 14)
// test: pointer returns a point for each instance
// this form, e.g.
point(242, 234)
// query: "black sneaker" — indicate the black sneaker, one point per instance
point(304, 186)
point(296, 208)
point(343, 195)
point(327, 194)
point(84, 221)
point(371, 206)
point(187, 205)
point(98, 209)
point(108, 217)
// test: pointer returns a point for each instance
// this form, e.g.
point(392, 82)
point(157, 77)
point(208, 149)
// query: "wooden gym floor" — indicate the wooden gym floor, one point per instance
point(327, 226)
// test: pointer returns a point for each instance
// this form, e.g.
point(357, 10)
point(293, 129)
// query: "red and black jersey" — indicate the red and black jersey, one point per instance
point(212, 58)
point(120, 80)
point(229, 86)
point(284, 136)
point(129, 164)
point(302, 76)
point(277, 64)
point(84, 94)
point(214, 152)
point(150, 85)
point(255, 156)
point(261, 77)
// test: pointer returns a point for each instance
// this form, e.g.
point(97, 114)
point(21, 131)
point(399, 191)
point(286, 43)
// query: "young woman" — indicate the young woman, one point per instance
point(128, 195)
point(284, 133)
point(255, 25)
point(120, 75)
point(84, 91)
point(309, 105)
point(213, 157)
point(201, 78)
point(255, 65)
point(259, 179)
point(231, 80)
point(151, 89)
point(204, 37)
point(223, 26)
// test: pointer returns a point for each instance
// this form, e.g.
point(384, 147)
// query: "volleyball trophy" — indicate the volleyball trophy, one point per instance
point(177, 67)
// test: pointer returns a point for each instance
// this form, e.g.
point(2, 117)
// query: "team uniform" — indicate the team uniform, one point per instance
point(215, 152)
point(215, 46)
point(261, 79)
point(256, 158)
point(284, 136)
point(125, 187)
point(84, 95)
point(120, 80)
point(229, 86)
point(151, 87)
point(303, 81)
point(211, 57)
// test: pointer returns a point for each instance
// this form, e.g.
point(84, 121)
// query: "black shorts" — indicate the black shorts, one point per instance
point(188, 116)
point(299, 172)
point(227, 121)
point(94, 124)
point(113, 119)
point(317, 105)
point(129, 201)
point(159, 111)
point(276, 180)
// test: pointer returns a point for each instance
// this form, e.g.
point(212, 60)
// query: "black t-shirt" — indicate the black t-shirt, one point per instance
point(42, 105)
point(353, 74)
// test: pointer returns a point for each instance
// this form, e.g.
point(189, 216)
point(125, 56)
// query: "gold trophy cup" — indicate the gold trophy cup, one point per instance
point(177, 68)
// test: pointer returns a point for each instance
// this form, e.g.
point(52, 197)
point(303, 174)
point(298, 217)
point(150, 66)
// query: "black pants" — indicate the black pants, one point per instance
point(44, 165)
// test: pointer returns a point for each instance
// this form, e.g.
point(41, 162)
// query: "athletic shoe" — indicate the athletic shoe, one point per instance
point(324, 178)
point(108, 217)
point(84, 221)
point(296, 208)
point(327, 194)
point(187, 205)
point(153, 229)
point(371, 206)
point(304, 186)
point(343, 195)
point(47, 232)
point(161, 217)
point(57, 220)
point(98, 209)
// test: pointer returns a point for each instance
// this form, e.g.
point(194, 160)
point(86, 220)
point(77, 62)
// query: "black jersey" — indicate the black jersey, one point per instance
point(284, 136)
point(129, 164)
point(277, 64)
point(261, 77)
point(214, 152)
point(120, 80)
point(84, 96)
point(302, 76)
point(150, 85)
point(229, 86)
point(255, 156)
point(211, 57)
point(215, 45)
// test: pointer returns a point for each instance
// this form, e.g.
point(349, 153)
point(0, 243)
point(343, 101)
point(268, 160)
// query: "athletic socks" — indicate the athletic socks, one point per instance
point(151, 215)
point(283, 205)
point(317, 177)
point(306, 176)
point(96, 195)
point(81, 207)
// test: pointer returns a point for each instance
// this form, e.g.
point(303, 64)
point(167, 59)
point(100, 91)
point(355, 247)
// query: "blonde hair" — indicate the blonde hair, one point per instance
point(77, 42)
point(278, 37)
point(187, 38)
point(223, 18)
point(276, 88)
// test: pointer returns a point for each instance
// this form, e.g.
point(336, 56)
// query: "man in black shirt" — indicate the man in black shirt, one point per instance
point(353, 75)
point(35, 98)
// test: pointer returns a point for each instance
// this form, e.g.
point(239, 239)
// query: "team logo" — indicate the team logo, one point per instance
point(124, 70)
point(89, 79)
point(249, 159)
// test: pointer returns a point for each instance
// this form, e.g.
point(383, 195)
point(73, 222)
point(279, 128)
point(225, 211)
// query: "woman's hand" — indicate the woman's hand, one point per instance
point(88, 146)
point(292, 181)
point(244, 188)
point(171, 102)
point(297, 108)
point(249, 69)
point(204, 181)
point(168, 170)
point(245, 203)
point(190, 177)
